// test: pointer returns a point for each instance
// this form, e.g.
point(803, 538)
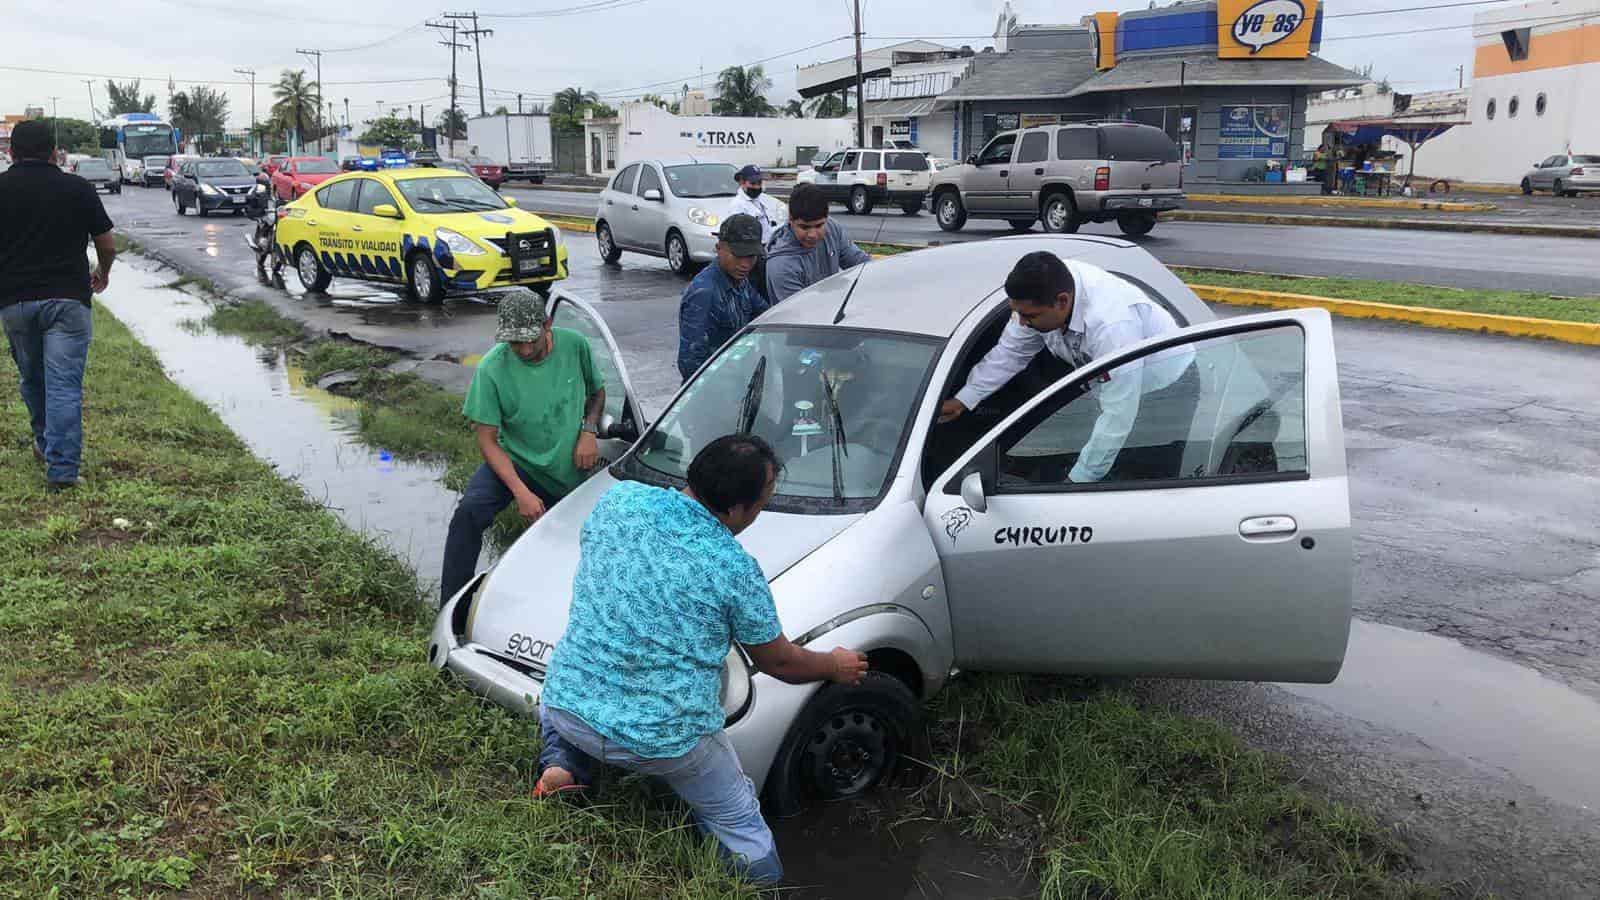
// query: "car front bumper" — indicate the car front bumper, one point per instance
point(702, 242)
point(224, 201)
point(493, 270)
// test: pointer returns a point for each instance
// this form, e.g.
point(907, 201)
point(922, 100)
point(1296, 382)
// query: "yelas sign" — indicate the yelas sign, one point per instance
point(1265, 29)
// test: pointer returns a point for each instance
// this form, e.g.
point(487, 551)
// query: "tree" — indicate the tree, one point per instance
point(654, 100)
point(200, 113)
point(75, 135)
point(794, 110)
point(390, 131)
point(295, 107)
point(501, 111)
point(452, 123)
point(742, 91)
point(828, 106)
point(125, 98)
point(567, 107)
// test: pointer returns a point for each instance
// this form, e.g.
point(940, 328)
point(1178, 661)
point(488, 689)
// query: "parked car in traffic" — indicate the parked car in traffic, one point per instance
point(147, 171)
point(1565, 175)
point(99, 173)
point(1063, 176)
point(171, 171)
point(665, 207)
point(893, 536)
point(271, 163)
point(299, 174)
point(490, 172)
point(862, 178)
point(431, 230)
point(213, 185)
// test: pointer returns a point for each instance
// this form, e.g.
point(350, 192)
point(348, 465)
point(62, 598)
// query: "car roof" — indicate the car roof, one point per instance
point(677, 161)
point(932, 291)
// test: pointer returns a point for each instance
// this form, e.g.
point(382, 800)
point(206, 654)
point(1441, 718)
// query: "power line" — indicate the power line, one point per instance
point(381, 41)
point(684, 79)
point(205, 81)
point(599, 6)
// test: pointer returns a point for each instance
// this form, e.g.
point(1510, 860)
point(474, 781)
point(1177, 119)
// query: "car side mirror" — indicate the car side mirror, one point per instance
point(386, 211)
point(972, 492)
point(509, 201)
point(653, 195)
point(972, 160)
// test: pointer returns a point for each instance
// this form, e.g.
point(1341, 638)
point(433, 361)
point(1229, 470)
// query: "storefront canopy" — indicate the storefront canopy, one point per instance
point(1200, 70)
point(1413, 132)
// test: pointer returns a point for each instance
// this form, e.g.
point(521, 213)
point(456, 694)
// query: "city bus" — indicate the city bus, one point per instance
point(127, 139)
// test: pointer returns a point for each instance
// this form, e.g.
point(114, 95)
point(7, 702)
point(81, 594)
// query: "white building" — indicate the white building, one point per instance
point(901, 84)
point(646, 131)
point(1533, 68)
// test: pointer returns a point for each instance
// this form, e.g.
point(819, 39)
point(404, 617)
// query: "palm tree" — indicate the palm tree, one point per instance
point(828, 106)
point(567, 106)
point(297, 100)
point(742, 91)
point(794, 110)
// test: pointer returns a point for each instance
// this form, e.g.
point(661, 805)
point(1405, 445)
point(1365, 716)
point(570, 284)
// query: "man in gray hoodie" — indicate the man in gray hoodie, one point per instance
point(810, 248)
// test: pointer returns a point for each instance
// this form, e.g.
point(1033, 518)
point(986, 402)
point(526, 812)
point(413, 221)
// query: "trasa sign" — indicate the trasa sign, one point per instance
point(1265, 29)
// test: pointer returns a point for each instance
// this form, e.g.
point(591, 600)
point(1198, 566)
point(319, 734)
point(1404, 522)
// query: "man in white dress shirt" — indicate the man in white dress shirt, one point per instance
point(752, 202)
point(1080, 313)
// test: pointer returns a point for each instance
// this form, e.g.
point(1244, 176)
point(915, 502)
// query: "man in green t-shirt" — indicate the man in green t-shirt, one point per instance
point(535, 404)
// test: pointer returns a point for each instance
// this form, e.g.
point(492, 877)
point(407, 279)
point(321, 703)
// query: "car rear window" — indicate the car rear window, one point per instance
point(910, 162)
point(1136, 142)
point(869, 161)
point(1586, 160)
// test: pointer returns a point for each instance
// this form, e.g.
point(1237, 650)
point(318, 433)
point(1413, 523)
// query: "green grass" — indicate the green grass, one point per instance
point(1505, 303)
point(210, 688)
point(255, 321)
point(334, 355)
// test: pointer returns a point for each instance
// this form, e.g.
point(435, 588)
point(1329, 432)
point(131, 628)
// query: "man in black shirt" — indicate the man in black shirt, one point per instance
point(45, 287)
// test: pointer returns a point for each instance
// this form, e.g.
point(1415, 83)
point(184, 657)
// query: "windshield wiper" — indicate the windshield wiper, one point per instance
point(752, 397)
point(836, 425)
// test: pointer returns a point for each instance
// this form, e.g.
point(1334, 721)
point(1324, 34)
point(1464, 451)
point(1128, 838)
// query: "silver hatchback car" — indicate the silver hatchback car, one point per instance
point(665, 207)
point(933, 548)
point(1565, 175)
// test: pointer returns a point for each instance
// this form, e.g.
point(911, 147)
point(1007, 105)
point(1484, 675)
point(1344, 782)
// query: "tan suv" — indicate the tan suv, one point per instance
point(1065, 175)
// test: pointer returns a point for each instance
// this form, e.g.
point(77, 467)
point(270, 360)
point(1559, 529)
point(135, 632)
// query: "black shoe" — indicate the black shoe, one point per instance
point(37, 453)
point(67, 485)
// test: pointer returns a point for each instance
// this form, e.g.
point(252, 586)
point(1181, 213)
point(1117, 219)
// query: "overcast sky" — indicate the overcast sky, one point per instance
point(616, 50)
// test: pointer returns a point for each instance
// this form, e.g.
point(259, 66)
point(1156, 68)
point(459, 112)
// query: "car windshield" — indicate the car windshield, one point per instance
point(155, 162)
point(1586, 160)
point(315, 167)
point(703, 180)
point(94, 167)
point(215, 168)
point(833, 402)
point(449, 193)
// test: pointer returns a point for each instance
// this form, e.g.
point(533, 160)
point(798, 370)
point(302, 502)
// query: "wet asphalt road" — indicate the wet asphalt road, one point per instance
point(1475, 483)
point(1561, 266)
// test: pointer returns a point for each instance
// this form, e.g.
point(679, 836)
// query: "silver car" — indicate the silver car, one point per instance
point(934, 548)
point(665, 207)
point(1564, 175)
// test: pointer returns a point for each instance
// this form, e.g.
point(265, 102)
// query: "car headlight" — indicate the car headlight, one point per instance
point(703, 217)
point(208, 189)
point(458, 243)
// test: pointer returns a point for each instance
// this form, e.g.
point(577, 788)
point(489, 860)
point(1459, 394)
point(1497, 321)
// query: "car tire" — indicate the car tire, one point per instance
point(846, 741)
point(177, 204)
point(1020, 224)
point(860, 202)
point(609, 251)
point(1559, 189)
point(1527, 186)
point(911, 209)
point(537, 179)
point(199, 206)
point(1136, 224)
point(313, 277)
point(1059, 214)
point(678, 258)
point(424, 284)
point(949, 212)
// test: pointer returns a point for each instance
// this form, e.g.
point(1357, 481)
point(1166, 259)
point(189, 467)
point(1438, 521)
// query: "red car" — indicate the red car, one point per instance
point(298, 174)
point(488, 171)
point(173, 162)
point(271, 163)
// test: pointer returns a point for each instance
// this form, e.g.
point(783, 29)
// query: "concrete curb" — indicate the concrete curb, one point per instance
point(1516, 326)
point(1337, 202)
point(1249, 218)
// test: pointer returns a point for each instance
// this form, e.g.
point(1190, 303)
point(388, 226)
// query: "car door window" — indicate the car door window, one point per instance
point(371, 196)
point(339, 196)
point(649, 180)
point(1035, 147)
point(870, 162)
point(849, 164)
point(1558, 161)
point(1548, 162)
point(624, 180)
point(1077, 143)
point(568, 312)
point(832, 165)
point(1224, 407)
point(998, 151)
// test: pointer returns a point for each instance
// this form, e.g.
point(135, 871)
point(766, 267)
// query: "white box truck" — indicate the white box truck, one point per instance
point(519, 141)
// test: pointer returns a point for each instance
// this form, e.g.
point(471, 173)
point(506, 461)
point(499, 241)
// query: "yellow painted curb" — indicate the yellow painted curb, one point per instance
point(1517, 326)
point(1334, 202)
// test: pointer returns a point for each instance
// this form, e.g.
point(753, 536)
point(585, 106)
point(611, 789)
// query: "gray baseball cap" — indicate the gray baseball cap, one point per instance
point(742, 233)
point(522, 317)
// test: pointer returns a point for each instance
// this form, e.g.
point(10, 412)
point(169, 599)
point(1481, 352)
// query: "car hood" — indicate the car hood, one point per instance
point(314, 177)
point(529, 590)
point(229, 180)
point(954, 173)
point(489, 223)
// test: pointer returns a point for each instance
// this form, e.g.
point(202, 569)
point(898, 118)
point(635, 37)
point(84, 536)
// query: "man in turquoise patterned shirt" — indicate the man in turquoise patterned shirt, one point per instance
point(663, 589)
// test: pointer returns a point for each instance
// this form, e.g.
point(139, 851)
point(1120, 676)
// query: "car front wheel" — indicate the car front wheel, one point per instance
point(609, 251)
point(846, 741)
point(1527, 186)
point(1560, 188)
point(678, 255)
point(177, 204)
point(313, 277)
point(423, 280)
point(949, 211)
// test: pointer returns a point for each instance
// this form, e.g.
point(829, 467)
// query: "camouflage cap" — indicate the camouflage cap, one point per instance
point(522, 317)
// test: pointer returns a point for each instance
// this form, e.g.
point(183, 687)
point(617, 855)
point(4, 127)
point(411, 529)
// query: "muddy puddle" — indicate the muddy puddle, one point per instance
point(1472, 705)
point(307, 434)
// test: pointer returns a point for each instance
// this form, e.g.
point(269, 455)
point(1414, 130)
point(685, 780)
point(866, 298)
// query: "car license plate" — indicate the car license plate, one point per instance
point(1146, 201)
point(527, 266)
point(237, 199)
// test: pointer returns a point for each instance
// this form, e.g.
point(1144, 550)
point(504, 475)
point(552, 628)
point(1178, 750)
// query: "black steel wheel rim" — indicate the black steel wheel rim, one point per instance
point(847, 754)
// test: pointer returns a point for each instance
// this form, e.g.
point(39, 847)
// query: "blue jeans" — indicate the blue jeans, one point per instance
point(483, 499)
point(708, 778)
point(50, 343)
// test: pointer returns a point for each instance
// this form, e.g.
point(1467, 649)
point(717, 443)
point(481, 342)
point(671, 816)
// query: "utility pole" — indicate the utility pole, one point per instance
point(93, 115)
point(317, 54)
point(519, 104)
point(254, 150)
point(476, 32)
point(1461, 77)
point(450, 117)
point(347, 112)
point(55, 123)
point(861, 90)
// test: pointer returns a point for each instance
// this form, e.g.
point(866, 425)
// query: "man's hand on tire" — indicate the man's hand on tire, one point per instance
point(849, 666)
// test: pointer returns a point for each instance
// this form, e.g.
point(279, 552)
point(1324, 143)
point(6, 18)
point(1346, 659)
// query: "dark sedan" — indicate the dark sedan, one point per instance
point(212, 185)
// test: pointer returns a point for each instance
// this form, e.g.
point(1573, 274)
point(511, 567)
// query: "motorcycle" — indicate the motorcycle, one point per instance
point(262, 206)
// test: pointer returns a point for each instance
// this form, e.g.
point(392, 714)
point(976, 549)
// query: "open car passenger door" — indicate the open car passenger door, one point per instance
point(621, 424)
point(1212, 541)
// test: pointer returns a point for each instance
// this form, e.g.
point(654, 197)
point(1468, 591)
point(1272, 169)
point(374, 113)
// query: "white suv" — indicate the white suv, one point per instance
point(862, 178)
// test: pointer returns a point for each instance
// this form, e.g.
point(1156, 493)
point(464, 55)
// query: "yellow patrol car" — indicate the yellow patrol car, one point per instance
point(435, 231)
